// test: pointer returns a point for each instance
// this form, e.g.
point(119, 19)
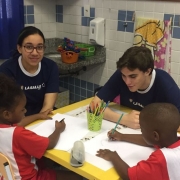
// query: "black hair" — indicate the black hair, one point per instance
point(10, 92)
point(136, 58)
point(162, 117)
point(25, 32)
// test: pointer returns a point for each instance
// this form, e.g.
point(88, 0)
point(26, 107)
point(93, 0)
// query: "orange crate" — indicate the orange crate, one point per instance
point(69, 57)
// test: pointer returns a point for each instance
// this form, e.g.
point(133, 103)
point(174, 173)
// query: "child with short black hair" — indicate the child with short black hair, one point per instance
point(159, 123)
point(20, 145)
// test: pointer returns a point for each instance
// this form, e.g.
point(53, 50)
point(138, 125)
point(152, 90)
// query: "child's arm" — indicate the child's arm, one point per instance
point(29, 119)
point(120, 166)
point(54, 137)
point(132, 138)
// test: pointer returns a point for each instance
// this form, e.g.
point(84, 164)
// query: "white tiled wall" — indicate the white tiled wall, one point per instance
point(44, 16)
point(116, 42)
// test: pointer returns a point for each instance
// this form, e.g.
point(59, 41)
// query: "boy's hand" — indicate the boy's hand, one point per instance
point(116, 136)
point(60, 125)
point(106, 154)
point(131, 119)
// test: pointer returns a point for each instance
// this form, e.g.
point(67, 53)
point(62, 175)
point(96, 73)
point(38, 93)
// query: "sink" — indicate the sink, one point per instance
point(53, 55)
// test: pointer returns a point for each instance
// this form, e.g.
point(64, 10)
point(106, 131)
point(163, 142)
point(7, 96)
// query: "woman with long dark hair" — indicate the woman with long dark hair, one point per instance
point(37, 75)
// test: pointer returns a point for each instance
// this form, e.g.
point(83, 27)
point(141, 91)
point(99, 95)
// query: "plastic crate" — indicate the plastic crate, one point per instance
point(86, 49)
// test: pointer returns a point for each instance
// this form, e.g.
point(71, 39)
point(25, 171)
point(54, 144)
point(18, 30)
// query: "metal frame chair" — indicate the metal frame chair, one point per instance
point(6, 172)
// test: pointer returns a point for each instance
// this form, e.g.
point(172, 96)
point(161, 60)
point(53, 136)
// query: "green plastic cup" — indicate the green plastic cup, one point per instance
point(94, 122)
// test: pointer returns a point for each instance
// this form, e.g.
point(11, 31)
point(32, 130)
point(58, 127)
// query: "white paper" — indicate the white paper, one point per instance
point(97, 161)
point(76, 128)
point(130, 153)
point(79, 112)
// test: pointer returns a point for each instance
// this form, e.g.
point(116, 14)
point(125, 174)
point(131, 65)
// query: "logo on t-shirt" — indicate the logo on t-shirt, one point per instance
point(136, 103)
point(38, 87)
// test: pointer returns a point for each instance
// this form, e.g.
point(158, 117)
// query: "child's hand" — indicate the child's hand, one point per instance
point(105, 154)
point(60, 125)
point(116, 136)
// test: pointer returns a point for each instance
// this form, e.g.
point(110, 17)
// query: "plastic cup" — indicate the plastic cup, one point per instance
point(94, 122)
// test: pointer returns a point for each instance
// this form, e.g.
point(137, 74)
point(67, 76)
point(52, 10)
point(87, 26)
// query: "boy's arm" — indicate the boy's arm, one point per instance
point(131, 138)
point(135, 139)
point(54, 137)
point(130, 119)
point(120, 166)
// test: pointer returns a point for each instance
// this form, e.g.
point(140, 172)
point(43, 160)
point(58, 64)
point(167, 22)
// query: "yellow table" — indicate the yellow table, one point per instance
point(87, 170)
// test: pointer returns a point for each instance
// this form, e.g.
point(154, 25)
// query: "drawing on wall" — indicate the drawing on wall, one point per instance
point(156, 35)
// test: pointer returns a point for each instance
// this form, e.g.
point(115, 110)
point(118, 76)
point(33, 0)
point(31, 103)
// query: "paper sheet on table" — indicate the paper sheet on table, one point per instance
point(75, 129)
point(130, 153)
point(76, 124)
point(97, 162)
point(82, 113)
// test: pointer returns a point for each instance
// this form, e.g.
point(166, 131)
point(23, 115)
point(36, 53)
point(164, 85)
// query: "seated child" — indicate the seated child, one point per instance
point(159, 123)
point(20, 145)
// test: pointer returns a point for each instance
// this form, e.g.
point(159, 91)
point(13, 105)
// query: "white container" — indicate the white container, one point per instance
point(96, 31)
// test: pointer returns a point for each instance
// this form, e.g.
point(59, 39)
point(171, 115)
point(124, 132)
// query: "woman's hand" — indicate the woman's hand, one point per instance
point(45, 114)
point(29, 119)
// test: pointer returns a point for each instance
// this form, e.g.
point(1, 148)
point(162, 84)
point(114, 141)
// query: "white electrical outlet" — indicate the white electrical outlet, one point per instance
point(87, 10)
